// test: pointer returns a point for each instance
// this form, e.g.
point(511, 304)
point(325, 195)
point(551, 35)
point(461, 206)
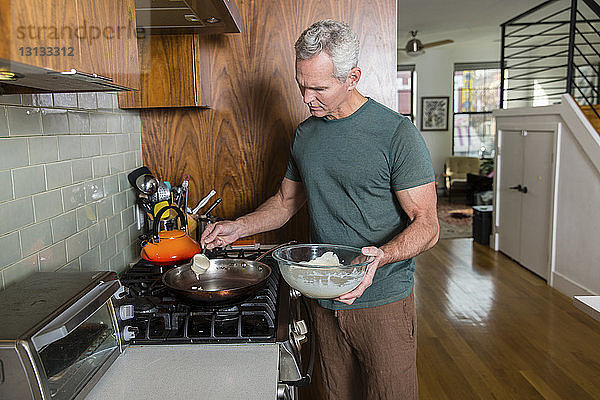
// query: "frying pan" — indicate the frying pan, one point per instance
point(227, 280)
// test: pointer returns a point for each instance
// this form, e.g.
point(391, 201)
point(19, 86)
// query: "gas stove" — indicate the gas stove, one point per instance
point(161, 318)
point(248, 350)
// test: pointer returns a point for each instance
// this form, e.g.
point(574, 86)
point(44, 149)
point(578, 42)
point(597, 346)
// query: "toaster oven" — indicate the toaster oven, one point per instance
point(58, 334)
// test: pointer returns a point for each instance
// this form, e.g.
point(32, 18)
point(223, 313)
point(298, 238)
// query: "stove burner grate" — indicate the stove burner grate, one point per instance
point(163, 319)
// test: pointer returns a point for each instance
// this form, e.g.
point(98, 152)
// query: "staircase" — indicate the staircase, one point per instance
point(592, 115)
point(550, 50)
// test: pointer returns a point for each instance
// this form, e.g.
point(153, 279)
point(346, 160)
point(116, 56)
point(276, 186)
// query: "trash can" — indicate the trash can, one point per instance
point(482, 224)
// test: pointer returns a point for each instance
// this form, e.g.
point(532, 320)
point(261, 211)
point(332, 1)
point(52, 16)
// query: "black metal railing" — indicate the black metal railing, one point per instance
point(549, 50)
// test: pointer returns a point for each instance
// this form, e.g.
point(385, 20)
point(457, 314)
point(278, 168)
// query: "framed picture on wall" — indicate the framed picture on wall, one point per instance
point(434, 113)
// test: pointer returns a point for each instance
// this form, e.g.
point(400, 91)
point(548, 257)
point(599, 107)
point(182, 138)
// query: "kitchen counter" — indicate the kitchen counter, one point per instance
point(194, 371)
point(589, 305)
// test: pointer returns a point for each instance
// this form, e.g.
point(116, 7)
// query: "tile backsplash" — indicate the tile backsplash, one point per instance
point(65, 201)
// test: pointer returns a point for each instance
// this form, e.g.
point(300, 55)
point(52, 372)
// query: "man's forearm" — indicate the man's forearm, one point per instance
point(418, 237)
point(272, 214)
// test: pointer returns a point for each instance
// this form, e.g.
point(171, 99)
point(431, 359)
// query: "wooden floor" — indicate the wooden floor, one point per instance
point(489, 329)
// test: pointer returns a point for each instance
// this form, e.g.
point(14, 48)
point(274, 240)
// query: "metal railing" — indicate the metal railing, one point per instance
point(551, 49)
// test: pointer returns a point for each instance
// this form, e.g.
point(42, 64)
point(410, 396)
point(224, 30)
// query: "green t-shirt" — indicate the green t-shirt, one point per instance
point(351, 168)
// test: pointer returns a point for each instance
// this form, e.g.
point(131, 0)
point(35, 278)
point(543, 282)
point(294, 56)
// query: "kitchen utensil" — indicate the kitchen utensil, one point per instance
point(133, 175)
point(200, 263)
point(203, 202)
point(146, 184)
point(321, 281)
point(227, 280)
point(170, 247)
point(159, 206)
point(163, 193)
point(212, 207)
point(185, 185)
point(178, 193)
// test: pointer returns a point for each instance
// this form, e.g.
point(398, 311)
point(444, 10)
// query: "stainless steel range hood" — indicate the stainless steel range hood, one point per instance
point(32, 79)
point(187, 16)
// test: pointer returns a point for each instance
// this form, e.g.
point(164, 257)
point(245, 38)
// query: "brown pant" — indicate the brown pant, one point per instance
point(368, 353)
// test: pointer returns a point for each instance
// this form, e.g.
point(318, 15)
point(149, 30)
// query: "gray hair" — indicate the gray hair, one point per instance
point(334, 38)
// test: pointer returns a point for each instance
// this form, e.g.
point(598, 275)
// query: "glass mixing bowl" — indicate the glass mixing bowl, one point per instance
point(321, 281)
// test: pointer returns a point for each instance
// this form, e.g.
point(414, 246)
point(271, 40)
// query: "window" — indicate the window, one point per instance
point(405, 82)
point(476, 94)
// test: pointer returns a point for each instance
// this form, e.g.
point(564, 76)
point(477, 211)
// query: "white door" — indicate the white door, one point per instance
point(536, 201)
point(510, 171)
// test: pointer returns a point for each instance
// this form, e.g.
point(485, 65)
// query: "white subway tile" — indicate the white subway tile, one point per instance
point(13, 153)
point(90, 261)
point(97, 233)
point(54, 121)
point(82, 169)
point(47, 205)
point(53, 257)
point(94, 190)
point(4, 122)
point(11, 249)
point(86, 216)
point(6, 186)
point(119, 202)
point(65, 100)
point(108, 144)
point(113, 225)
point(58, 174)
point(87, 101)
point(77, 245)
point(104, 208)
point(111, 185)
point(16, 214)
point(28, 181)
point(113, 123)
point(20, 270)
point(79, 122)
point(69, 147)
point(64, 226)
point(35, 237)
point(43, 149)
point(73, 197)
point(104, 101)
point(117, 263)
point(24, 121)
point(98, 122)
point(100, 166)
point(122, 240)
point(108, 249)
point(122, 142)
point(90, 146)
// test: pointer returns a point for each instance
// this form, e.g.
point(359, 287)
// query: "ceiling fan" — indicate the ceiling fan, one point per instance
point(414, 47)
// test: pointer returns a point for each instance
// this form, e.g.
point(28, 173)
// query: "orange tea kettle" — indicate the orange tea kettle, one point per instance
point(170, 247)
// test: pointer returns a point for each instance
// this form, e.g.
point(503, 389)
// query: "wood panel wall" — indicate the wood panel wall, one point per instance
point(240, 146)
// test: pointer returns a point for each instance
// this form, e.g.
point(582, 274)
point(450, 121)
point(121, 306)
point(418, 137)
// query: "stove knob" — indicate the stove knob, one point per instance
point(129, 333)
point(294, 294)
point(126, 312)
point(300, 327)
point(298, 333)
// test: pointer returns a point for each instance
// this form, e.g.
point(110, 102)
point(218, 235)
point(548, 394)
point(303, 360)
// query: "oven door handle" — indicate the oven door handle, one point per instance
point(76, 314)
point(306, 378)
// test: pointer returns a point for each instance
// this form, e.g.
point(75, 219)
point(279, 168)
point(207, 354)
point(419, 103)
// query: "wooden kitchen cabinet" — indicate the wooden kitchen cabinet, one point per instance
point(92, 37)
point(173, 73)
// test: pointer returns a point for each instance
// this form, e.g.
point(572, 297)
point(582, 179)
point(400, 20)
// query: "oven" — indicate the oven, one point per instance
point(246, 350)
point(59, 334)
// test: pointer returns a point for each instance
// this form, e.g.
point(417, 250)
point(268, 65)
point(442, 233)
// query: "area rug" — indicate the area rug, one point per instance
point(456, 220)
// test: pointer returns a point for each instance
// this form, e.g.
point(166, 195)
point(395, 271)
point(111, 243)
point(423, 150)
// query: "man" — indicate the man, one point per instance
point(367, 177)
